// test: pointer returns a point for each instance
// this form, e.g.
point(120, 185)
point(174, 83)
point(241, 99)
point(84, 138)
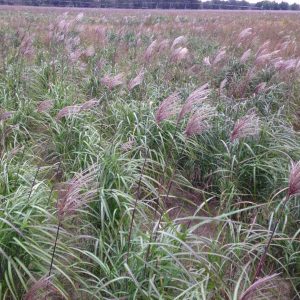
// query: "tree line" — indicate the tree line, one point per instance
point(160, 4)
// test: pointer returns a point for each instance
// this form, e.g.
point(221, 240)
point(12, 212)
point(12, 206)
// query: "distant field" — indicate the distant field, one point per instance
point(149, 154)
point(164, 11)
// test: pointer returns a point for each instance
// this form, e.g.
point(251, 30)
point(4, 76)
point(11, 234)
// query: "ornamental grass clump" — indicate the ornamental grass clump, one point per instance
point(293, 190)
point(72, 195)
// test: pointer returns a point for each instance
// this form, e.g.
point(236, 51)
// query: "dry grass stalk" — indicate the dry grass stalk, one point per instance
point(137, 80)
point(246, 126)
point(168, 108)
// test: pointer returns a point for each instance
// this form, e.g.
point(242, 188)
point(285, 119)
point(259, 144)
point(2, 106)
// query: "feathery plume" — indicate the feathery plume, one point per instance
point(26, 46)
point(245, 33)
point(5, 115)
point(285, 65)
point(100, 64)
point(163, 45)
point(137, 80)
point(179, 40)
point(177, 19)
point(41, 289)
point(291, 64)
point(150, 51)
point(194, 70)
point(68, 111)
point(283, 46)
point(14, 151)
point(278, 63)
point(45, 106)
point(223, 84)
point(245, 56)
point(76, 193)
point(251, 73)
point(198, 122)
point(298, 65)
point(195, 98)
point(261, 87)
point(262, 52)
point(219, 57)
point(179, 54)
point(90, 104)
point(265, 57)
point(168, 108)
point(294, 179)
point(75, 40)
point(256, 285)
point(63, 25)
point(79, 17)
point(206, 61)
point(90, 51)
point(263, 48)
point(75, 55)
point(262, 59)
point(101, 33)
point(246, 126)
point(113, 81)
point(128, 145)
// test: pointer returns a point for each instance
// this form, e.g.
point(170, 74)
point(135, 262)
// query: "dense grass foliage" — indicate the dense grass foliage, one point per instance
point(149, 155)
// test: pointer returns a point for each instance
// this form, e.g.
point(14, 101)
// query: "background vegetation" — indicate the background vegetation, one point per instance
point(160, 4)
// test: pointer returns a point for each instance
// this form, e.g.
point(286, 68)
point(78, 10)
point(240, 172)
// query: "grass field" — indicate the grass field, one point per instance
point(149, 154)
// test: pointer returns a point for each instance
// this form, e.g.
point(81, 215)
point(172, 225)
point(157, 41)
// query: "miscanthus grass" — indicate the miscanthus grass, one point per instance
point(149, 155)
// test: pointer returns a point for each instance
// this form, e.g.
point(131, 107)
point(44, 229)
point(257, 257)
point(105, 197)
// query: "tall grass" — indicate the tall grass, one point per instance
point(147, 156)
